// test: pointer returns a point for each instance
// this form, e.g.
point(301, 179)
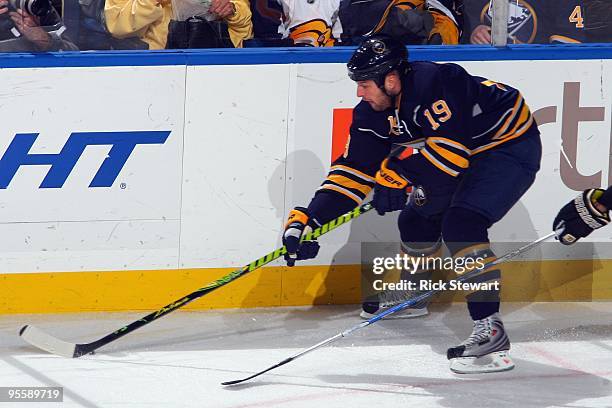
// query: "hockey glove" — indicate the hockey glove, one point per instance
point(299, 223)
point(578, 218)
point(390, 189)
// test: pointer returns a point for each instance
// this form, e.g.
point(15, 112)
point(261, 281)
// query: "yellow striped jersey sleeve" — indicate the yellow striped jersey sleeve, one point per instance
point(349, 182)
point(513, 124)
point(447, 155)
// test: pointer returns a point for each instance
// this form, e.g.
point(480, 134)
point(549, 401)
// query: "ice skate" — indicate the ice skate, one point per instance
point(485, 351)
point(387, 299)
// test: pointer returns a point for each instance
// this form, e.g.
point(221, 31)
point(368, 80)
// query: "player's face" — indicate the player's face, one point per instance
point(370, 92)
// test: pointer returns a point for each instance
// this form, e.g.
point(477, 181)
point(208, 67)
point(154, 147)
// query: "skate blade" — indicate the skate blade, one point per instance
point(402, 314)
point(490, 363)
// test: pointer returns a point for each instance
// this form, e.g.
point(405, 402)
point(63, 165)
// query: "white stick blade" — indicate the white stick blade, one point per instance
point(44, 341)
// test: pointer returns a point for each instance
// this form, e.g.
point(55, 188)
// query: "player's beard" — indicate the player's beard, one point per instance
point(382, 103)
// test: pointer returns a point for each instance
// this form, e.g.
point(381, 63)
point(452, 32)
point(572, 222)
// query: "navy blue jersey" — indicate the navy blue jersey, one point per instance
point(451, 115)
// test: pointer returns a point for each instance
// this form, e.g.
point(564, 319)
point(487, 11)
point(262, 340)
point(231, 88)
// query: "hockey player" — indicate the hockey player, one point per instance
point(584, 214)
point(480, 153)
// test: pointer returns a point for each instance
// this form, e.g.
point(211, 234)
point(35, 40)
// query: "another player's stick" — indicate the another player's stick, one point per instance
point(396, 308)
point(51, 344)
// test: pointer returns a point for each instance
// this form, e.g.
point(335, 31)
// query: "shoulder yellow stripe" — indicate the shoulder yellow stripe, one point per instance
point(350, 183)
point(448, 155)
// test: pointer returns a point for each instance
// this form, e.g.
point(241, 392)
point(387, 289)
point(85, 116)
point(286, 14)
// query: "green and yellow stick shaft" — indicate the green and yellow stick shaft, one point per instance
point(54, 345)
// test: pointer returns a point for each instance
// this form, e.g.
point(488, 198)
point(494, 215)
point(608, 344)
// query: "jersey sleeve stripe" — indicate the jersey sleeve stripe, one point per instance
point(349, 183)
point(495, 126)
point(518, 133)
point(352, 171)
point(454, 158)
point(523, 118)
point(439, 164)
point(515, 110)
point(341, 190)
point(449, 142)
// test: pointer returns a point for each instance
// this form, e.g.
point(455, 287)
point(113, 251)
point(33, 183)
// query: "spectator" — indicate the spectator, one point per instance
point(531, 21)
point(267, 17)
point(414, 21)
point(21, 31)
point(321, 22)
point(149, 19)
point(312, 23)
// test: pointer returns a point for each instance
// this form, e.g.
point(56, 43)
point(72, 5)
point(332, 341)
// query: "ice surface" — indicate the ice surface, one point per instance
point(563, 354)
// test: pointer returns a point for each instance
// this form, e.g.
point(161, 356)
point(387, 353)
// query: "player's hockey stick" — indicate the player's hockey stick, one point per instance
point(396, 308)
point(47, 342)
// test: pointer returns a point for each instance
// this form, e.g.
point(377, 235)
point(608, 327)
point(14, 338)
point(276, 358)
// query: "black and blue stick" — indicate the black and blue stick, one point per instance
point(408, 303)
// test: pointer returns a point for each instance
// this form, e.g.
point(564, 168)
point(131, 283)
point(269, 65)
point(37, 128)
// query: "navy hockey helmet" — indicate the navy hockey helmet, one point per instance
point(376, 57)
